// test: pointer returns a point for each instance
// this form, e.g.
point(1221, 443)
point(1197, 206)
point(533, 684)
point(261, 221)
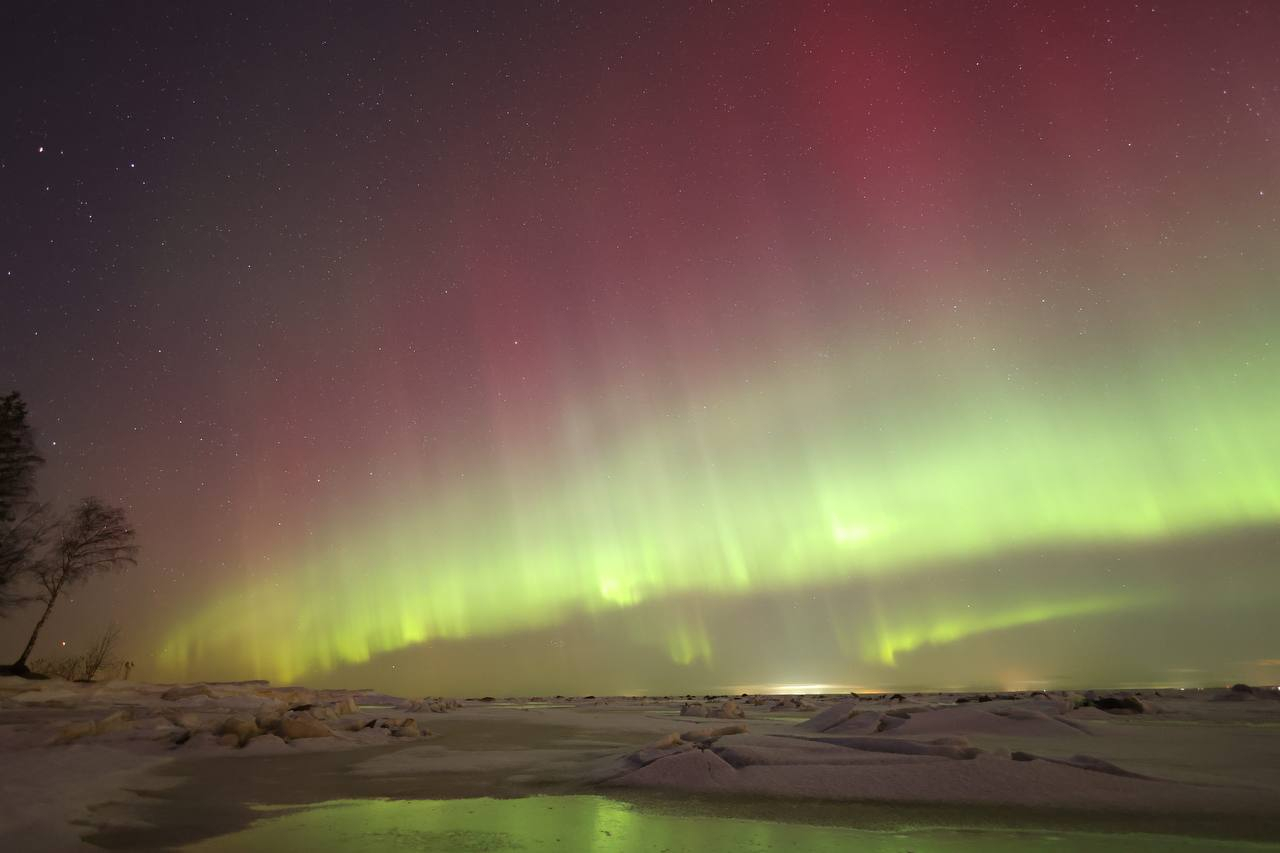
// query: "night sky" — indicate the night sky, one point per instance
point(593, 347)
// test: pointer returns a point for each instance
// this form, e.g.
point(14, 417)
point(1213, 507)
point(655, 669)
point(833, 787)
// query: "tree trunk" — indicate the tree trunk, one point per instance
point(21, 663)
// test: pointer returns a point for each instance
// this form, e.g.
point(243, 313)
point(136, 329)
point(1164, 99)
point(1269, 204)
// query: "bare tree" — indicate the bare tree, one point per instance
point(68, 668)
point(96, 538)
point(24, 522)
point(100, 651)
point(96, 659)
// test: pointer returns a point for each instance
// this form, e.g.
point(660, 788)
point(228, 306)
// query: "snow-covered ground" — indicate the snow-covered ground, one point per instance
point(92, 760)
point(68, 748)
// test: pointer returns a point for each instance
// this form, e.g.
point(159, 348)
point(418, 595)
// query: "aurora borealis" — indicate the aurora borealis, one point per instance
point(553, 347)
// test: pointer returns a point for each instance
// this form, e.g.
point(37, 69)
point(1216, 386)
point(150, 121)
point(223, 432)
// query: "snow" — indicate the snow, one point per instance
point(79, 758)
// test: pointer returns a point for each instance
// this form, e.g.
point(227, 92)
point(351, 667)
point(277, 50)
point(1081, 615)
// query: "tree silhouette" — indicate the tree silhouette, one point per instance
point(100, 653)
point(98, 658)
point(96, 538)
point(24, 522)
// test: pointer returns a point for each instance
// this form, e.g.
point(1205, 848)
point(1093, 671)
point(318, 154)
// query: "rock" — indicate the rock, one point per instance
point(229, 740)
point(1119, 704)
point(370, 697)
point(86, 728)
point(242, 729)
point(269, 719)
point(200, 740)
point(440, 706)
point(1233, 696)
point(693, 709)
point(173, 694)
point(789, 704)
point(407, 728)
point(1243, 693)
point(266, 744)
point(830, 717)
point(728, 711)
point(664, 746)
point(667, 741)
point(696, 769)
point(185, 719)
point(705, 737)
point(303, 725)
point(395, 725)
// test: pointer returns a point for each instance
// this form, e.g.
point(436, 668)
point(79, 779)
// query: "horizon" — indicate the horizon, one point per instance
point(765, 690)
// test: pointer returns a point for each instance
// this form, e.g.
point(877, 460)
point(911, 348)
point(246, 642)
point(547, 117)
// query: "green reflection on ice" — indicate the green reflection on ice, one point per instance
point(579, 823)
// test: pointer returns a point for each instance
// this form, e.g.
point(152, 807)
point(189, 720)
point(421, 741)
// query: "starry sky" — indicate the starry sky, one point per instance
point(583, 347)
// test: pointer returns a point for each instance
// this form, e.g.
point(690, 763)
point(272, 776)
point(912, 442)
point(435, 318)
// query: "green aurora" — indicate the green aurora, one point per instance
point(787, 486)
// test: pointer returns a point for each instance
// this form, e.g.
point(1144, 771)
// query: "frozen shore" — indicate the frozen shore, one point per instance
point(136, 766)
